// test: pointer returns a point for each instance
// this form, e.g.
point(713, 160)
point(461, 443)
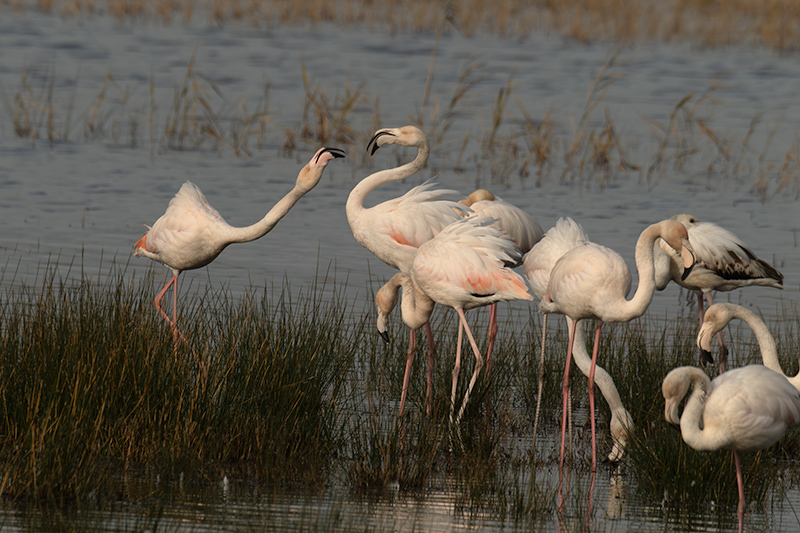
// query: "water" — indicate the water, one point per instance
point(81, 205)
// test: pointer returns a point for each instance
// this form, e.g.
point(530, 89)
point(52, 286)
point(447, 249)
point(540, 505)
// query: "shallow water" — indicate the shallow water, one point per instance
point(80, 205)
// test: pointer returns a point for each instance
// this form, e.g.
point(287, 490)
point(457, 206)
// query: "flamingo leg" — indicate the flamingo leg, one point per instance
point(540, 384)
point(456, 372)
point(478, 364)
point(740, 481)
point(160, 296)
point(595, 349)
point(412, 348)
point(492, 336)
point(564, 410)
point(431, 356)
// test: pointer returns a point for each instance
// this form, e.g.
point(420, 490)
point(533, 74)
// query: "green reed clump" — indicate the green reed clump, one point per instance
point(92, 387)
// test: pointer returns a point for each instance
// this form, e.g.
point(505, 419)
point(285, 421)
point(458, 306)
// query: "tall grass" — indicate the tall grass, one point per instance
point(301, 392)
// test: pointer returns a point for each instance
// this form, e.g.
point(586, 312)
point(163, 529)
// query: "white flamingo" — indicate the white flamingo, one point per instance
point(724, 263)
point(395, 229)
point(744, 409)
point(592, 282)
point(717, 317)
point(191, 233)
point(517, 225)
point(462, 267)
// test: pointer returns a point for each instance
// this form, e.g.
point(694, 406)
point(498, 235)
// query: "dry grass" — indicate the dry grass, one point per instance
point(771, 23)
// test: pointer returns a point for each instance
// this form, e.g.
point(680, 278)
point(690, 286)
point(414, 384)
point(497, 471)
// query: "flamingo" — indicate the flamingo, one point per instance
point(592, 281)
point(463, 267)
point(538, 263)
point(744, 409)
point(717, 317)
point(724, 263)
point(191, 233)
point(519, 226)
point(395, 229)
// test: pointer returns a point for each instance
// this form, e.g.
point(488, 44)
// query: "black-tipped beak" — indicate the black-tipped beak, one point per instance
point(384, 336)
point(708, 359)
point(686, 272)
point(373, 142)
point(335, 152)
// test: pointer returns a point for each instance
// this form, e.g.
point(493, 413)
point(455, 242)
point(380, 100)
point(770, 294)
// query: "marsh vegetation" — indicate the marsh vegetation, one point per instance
point(302, 393)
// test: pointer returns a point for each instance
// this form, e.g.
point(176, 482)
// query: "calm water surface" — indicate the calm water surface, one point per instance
point(85, 203)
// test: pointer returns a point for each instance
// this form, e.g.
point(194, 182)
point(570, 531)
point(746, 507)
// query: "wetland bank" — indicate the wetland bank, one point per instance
point(295, 424)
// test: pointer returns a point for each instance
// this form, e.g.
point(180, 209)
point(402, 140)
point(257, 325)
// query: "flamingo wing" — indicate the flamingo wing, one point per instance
point(539, 261)
point(518, 225)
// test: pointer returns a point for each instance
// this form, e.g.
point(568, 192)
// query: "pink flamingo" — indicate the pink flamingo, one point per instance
point(724, 263)
point(395, 229)
point(463, 267)
point(745, 409)
point(592, 282)
point(560, 239)
point(191, 233)
point(517, 225)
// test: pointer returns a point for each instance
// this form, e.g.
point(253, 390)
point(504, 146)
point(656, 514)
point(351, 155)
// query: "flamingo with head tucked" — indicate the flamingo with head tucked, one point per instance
point(724, 263)
point(463, 267)
point(191, 233)
point(744, 409)
point(517, 225)
point(395, 229)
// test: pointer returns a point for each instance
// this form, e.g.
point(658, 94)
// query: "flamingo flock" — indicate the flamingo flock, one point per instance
point(461, 252)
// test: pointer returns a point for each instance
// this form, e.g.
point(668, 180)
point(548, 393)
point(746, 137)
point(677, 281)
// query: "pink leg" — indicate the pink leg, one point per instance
point(492, 337)
point(595, 349)
point(540, 384)
point(160, 296)
point(740, 480)
point(412, 348)
point(478, 363)
point(431, 356)
point(564, 410)
point(456, 372)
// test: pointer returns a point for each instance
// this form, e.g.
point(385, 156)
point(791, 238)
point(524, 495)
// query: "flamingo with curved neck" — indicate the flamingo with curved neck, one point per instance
point(717, 317)
point(592, 282)
point(747, 409)
point(395, 229)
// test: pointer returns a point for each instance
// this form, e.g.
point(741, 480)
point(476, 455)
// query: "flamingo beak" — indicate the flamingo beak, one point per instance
point(335, 152)
point(689, 259)
point(374, 141)
point(385, 336)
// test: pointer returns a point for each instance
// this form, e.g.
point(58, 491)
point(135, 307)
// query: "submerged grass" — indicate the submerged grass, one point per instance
point(300, 392)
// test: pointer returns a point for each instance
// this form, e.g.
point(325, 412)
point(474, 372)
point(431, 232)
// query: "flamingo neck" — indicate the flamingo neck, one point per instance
point(645, 268)
point(416, 306)
point(766, 342)
point(355, 201)
point(708, 438)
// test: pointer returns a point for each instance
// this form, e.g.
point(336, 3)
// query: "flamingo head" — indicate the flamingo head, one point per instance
point(405, 136)
point(311, 173)
point(477, 196)
point(715, 318)
point(676, 236)
point(674, 388)
point(385, 300)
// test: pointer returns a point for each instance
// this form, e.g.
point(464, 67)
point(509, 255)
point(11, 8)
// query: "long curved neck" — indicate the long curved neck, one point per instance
point(766, 343)
point(307, 179)
point(355, 201)
point(705, 439)
point(416, 306)
point(645, 268)
point(601, 378)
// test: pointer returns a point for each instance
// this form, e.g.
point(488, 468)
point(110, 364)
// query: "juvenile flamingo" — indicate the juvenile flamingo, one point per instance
point(592, 282)
point(191, 233)
point(517, 225)
point(724, 263)
point(744, 409)
point(395, 229)
point(462, 267)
